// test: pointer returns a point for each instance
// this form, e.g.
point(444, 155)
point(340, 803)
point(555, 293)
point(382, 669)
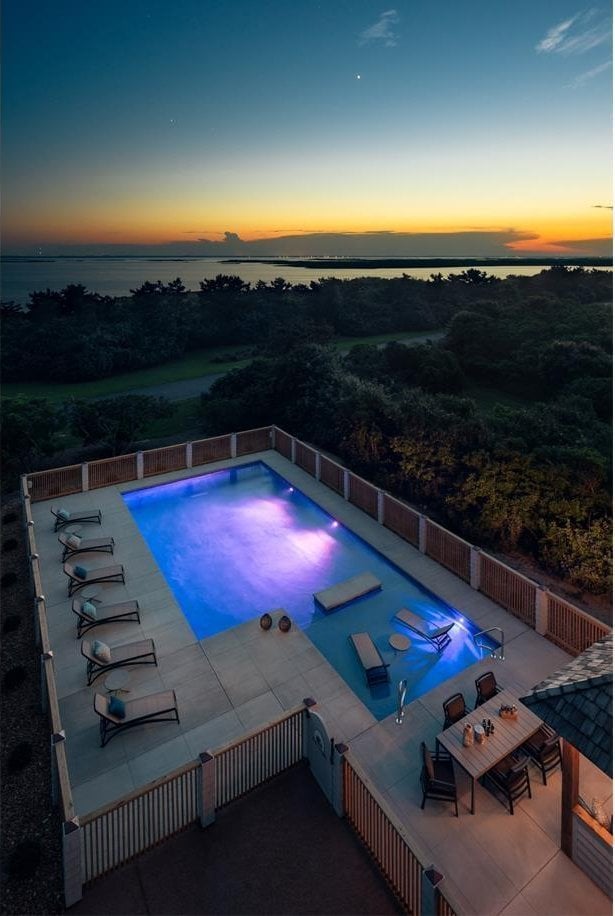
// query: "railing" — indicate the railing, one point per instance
point(571, 628)
point(254, 440)
point(162, 460)
point(331, 473)
point(448, 549)
point(245, 764)
point(108, 471)
point(363, 494)
point(509, 588)
point(401, 519)
point(118, 832)
point(397, 856)
point(207, 450)
point(592, 849)
point(305, 457)
point(55, 482)
point(564, 624)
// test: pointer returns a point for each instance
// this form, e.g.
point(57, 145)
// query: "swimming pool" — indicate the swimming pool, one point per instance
point(237, 542)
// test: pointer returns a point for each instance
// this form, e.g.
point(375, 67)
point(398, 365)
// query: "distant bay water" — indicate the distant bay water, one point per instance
point(117, 276)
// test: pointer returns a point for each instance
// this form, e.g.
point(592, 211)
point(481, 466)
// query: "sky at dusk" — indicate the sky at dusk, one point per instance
point(465, 127)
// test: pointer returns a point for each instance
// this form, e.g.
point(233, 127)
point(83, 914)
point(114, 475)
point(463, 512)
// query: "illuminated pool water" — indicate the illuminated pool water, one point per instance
point(237, 542)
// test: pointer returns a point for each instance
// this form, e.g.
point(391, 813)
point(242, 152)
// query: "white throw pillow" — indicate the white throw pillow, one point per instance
point(101, 651)
point(74, 540)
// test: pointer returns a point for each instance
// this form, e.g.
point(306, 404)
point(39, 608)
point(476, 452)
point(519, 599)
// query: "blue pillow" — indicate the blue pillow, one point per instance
point(64, 514)
point(117, 707)
point(81, 571)
point(89, 608)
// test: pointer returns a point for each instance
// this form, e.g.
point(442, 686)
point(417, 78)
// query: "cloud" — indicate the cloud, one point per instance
point(602, 206)
point(583, 78)
point(586, 247)
point(382, 30)
point(575, 35)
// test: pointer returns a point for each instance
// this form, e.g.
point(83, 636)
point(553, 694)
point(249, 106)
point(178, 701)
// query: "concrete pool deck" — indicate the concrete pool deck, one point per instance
point(242, 678)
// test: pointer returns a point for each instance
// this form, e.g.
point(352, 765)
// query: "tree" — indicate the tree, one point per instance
point(115, 422)
point(30, 428)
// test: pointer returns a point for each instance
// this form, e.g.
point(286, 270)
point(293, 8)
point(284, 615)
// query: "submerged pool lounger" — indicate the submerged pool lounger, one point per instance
point(348, 590)
point(438, 636)
point(371, 659)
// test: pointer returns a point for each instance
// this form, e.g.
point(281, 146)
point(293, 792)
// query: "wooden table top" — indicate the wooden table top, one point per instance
point(509, 734)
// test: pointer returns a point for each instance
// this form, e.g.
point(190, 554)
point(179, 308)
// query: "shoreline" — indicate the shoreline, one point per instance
point(368, 262)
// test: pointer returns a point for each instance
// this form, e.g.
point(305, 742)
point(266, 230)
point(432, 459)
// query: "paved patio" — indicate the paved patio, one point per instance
point(241, 678)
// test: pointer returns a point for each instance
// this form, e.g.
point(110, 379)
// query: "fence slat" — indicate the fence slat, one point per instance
point(510, 589)
point(108, 471)
point(401, 519)
point(448, 549)
point(332, 474)
point(364, 495)
point(570, 628)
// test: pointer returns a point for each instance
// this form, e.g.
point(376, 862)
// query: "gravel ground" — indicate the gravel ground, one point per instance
point(25, 795)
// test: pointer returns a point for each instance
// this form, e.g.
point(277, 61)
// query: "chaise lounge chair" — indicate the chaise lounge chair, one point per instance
point(127, 611)
point(373, 664)
point(156, 707)
point(64, 517)
point(85, 545)
point(439, 637)
point(132, 653)
point(77, 580)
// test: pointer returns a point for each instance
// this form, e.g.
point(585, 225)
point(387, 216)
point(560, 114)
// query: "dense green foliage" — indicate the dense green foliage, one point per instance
point(530, 475)
point(533, 479)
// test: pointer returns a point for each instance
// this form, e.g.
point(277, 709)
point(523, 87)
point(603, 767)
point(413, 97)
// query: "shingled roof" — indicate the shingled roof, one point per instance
point(577, 701)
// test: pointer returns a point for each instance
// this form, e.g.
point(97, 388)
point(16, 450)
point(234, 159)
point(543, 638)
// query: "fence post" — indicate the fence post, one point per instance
point(541, 610)
point(317, 466)
point(380, 507)
point(56, 738)
point(85, 477)
point(188, 454)
point(139, 465)
point(233, 445)
point(37, 627)
point(475, 567)
point(207, 789)
point(45, 657)
point(430, 878)
point(293, 450)
point(422, 534)
point(346, 483)
point(337, 782)
point(308, 703)
point(72, 861)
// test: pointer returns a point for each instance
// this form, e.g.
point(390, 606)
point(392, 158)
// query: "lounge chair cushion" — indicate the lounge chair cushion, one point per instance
point(101, 651)
point(64, 514)
point(73, 541)
point(89, 608)
point(81, 571)
point(117, 707)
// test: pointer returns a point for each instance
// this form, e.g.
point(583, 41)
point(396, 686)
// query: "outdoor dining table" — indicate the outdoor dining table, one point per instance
point(509, 734)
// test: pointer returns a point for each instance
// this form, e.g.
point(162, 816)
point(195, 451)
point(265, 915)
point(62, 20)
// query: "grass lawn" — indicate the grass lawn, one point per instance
point(193, 365)
point(185, 419)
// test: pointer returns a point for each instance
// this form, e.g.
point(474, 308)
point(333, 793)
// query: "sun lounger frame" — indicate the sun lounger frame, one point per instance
point(439, 637)
point(84, 515)
point(95, 667)
point(95, 576)
point(87, 545)
point(370, 658)
point(125, 611)
point(111, 725)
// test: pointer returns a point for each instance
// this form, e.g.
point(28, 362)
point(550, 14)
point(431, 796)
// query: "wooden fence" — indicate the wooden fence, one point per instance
point(592, 849)
point(448, 549)
point(571, 628)
point(567, 626)
point(398, 857)
point(401, 519)
point(245, 764)
point(509, 588)
point(206, 450)
point(118, 832)
point(363, 494)
point(109, 471)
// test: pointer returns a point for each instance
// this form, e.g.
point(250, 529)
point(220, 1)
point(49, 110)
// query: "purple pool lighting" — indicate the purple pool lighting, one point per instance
point(236, 543)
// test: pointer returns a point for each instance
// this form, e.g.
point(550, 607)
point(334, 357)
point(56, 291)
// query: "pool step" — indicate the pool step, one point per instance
point(348, 590)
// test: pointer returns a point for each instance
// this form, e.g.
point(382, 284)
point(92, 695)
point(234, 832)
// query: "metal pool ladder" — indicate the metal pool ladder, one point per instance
point(482, 645)
point(401, 696)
